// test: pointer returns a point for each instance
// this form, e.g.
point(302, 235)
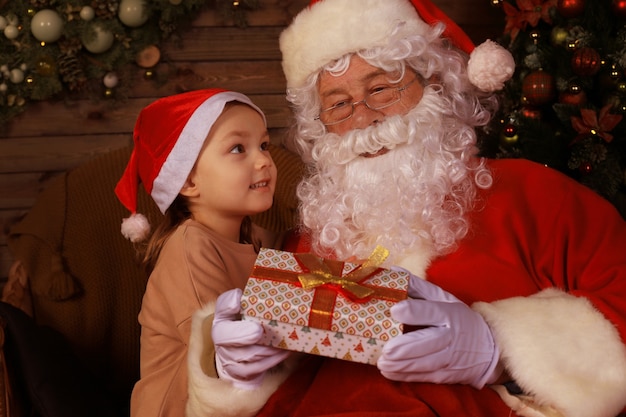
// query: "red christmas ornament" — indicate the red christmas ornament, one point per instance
point(509, 136)
point(538, 88)
point(570, 8)
point(586, 61)
point(574, 99)
point(509, 130)
point(585, 168)
point(619, 8)
point(531, 113)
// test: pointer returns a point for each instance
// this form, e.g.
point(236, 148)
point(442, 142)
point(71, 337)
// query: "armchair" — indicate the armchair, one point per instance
point(69, 310)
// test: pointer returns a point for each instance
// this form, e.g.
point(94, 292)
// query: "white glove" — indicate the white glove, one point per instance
point(453, 343)
point(237, 356)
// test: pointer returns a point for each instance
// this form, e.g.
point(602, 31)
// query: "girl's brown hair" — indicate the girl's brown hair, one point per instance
point(175, 215)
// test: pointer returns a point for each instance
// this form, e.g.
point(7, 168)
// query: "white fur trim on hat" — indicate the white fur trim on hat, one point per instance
point(308, 44)
point(330, 29)
point(181, 159)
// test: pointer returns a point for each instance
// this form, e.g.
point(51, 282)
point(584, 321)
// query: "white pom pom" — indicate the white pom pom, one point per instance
point(136, 227)
point(490, 65)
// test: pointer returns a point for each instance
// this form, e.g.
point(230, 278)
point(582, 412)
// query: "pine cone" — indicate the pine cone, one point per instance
point(71, 72)
point(41, 4)
point(167, 28)
point(70, 46)
point(105, 9)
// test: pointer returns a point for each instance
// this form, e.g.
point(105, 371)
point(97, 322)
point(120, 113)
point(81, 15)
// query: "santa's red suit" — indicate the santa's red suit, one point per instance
point(553, 295)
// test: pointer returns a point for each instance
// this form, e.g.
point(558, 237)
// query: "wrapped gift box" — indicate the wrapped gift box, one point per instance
point(329, 308)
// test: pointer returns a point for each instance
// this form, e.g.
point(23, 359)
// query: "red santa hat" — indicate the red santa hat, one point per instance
point(329, 29)
point(168, 137)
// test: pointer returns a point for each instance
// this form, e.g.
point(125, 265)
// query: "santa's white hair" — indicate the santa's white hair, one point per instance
point(420, 192)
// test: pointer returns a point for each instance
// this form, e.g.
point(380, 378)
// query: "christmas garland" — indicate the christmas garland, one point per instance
point(71, 49)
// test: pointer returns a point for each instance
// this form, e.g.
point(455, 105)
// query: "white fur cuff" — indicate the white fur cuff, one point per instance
point(214, 397)
point(562, 352)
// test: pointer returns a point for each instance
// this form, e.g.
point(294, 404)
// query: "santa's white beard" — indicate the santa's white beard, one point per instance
point(399, 200)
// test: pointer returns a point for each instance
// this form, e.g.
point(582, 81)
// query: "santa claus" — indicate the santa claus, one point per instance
point(519, 273)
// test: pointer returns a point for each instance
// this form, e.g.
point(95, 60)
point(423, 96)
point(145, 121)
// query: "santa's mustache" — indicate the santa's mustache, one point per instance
point(393, 131)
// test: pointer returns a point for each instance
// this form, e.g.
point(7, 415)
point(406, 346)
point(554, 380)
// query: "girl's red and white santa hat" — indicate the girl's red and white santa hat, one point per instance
point(329, 29)
point(168, 137)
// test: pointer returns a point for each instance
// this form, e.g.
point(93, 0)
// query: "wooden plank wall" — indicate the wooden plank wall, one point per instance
point(50, 138)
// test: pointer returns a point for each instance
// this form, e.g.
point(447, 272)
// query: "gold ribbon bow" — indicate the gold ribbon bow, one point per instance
point(326, 272)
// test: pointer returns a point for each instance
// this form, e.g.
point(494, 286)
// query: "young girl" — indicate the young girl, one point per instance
point(203, 157)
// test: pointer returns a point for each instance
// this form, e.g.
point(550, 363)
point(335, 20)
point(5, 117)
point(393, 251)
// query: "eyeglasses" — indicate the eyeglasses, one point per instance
point(377, 100)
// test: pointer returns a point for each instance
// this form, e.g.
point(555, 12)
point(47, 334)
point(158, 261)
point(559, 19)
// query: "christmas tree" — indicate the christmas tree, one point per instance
point(565, 105)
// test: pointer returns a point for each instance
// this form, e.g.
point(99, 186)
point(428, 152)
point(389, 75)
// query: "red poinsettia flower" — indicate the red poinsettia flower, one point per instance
point(527, 12)
point(599, 124)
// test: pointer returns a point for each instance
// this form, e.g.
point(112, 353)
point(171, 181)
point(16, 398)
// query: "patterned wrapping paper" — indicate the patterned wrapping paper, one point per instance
point(332, 318)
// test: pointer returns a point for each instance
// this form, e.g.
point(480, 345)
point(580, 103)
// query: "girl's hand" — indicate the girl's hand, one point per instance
point(237, 356)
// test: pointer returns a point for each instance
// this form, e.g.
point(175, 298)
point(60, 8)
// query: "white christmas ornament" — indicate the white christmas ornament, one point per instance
point(101, 42)
point(110, 80)
point(3, 88)
point(17, 76)
point(47, 25)
point(87, 13)
point(132, 13)
point(11, 32)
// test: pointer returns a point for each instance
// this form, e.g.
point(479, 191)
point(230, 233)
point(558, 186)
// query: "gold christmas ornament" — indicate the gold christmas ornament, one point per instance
point(45, 66)
point(535, 35)
point(509, 140)
point(616, 73)
point(558, 36)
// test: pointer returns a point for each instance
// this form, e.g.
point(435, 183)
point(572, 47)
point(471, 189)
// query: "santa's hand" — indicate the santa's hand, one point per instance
point(237, 356)
point(452, 345)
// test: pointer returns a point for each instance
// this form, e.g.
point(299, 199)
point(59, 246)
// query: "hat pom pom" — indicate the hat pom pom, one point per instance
point(136, 227)
point(489, 66)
